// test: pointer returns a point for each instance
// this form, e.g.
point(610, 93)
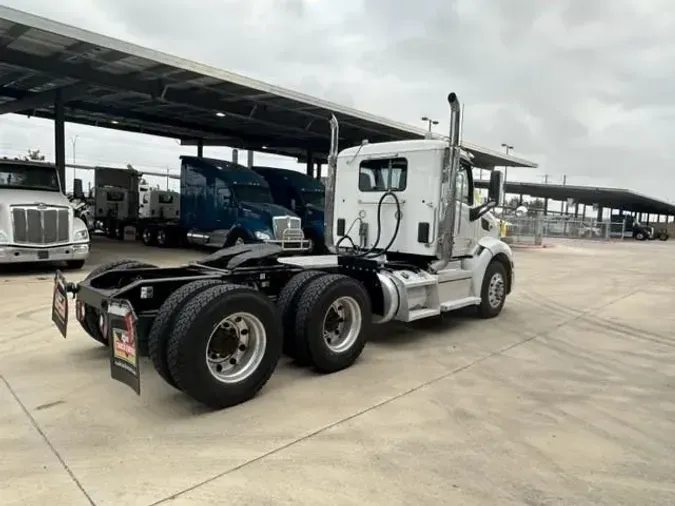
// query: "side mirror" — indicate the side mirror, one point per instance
point(496, 187)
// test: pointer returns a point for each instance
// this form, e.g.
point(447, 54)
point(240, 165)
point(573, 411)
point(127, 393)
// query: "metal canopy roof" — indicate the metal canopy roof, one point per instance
point(111, 83)
point(483, 157)
point(613, 198)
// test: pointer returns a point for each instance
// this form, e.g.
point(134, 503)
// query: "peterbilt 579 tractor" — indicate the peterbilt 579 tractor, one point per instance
point(37, 222)
point(405, 242)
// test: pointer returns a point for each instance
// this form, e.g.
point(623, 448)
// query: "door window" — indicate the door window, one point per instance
point(225, 195)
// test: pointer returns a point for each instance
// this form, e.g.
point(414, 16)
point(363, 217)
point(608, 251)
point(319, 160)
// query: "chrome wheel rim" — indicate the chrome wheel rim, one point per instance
point(239, 241)
point(146, 236)
point(496, 290)
point(236, 347)
point(342, 324)
point(161, 237)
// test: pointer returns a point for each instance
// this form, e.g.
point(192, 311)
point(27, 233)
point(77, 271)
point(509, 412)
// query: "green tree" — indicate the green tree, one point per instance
point(34, 155)
point(535, 206)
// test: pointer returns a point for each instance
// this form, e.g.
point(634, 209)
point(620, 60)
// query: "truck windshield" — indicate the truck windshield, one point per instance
point(29, 177)
point(314, 198)
point(251, 193)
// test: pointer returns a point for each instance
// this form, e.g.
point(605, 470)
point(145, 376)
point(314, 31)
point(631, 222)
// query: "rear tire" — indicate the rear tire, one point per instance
point(161, 328)
point(246, 359)
point(163, 237)
point(287, 302)
point(334, 317)
point(493, 290)
point(148, 236)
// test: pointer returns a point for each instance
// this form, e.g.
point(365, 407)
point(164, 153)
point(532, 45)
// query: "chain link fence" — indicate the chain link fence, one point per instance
point(536, 230)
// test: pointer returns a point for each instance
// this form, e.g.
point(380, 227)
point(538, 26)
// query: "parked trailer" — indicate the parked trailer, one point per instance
point(216, 328)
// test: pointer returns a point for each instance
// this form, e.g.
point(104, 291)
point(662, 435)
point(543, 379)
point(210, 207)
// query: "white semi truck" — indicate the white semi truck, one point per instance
point(405, 241)
point(119, 200)
point(155, 203)
point(37, 222)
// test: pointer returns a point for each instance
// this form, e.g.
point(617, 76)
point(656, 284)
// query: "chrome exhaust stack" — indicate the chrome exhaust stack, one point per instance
point(331, 176)
point(449, 184)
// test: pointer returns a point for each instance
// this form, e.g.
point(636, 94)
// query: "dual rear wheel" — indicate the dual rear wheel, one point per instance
point(326, 319)
point(220, 342)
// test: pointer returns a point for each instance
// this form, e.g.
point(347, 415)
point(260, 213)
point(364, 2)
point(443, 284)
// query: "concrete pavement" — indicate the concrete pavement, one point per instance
point(566, 398)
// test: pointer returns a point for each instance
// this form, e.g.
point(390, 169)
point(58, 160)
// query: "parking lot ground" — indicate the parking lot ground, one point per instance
point(565, 399)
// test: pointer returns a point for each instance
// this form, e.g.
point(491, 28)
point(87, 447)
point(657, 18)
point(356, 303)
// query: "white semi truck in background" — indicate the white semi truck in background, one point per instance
point(120, 199)
point(37, 222)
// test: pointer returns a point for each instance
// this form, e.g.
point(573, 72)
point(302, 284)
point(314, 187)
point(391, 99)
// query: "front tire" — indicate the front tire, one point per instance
point(225, 344)
point(318, 244)
point(237, 238)
point(334, 317)
point(493, 290)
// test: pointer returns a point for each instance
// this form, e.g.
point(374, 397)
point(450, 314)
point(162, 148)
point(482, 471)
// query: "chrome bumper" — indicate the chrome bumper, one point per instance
point(19, 254)
point(292, 239)
point(298, 245)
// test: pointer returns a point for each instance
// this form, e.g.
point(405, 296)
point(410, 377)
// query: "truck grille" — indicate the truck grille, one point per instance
point(40, 225)
point(287, 228)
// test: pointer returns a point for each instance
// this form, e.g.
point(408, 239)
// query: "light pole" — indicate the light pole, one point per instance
point(507, 149)
point(429, 121)
point(73, 141)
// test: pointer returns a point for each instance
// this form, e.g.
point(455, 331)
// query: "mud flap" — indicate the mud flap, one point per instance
point(123, 339)
point(60, 304)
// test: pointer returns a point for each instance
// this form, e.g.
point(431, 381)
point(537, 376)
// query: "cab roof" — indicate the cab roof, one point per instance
point(297, 178)
point(233, 172)
point(479, 157)
point(391, 148)
point(29, 163)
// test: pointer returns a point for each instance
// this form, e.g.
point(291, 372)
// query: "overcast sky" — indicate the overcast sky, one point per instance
point(582, 87)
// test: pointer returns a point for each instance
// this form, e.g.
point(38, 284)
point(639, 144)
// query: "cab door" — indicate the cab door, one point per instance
point(225, 212)
point(467, 232)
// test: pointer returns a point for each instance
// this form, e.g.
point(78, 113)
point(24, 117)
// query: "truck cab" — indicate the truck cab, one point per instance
point(365, 173)
point(155, 203)
point(303, 195)
point(224, 203)
point(37, 222)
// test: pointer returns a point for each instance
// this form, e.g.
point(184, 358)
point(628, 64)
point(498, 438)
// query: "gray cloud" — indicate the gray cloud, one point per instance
point(582, 87)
